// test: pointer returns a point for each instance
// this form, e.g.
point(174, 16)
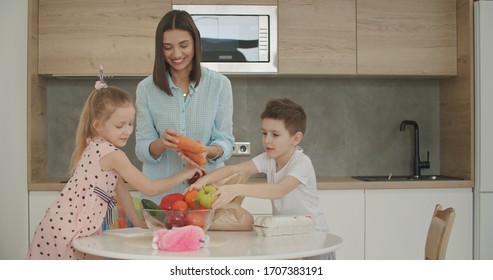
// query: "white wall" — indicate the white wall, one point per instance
point(13, 140)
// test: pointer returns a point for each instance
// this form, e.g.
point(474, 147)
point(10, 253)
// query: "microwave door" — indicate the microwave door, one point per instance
point(220, 50)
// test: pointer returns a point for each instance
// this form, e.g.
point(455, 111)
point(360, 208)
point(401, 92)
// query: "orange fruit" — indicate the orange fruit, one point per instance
point(180, 205)
point(191, 199)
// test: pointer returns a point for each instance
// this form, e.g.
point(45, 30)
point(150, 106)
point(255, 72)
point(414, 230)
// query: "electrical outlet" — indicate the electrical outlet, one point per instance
point(241, 149)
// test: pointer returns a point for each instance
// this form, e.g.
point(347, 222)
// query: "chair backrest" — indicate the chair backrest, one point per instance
point(439, 233)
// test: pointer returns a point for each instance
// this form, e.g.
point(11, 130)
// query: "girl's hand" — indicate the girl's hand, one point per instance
point(169, 140)
point(202, 181)
point(141, 224)
point(190, 170)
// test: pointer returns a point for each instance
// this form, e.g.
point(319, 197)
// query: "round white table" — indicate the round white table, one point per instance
point(229, 245)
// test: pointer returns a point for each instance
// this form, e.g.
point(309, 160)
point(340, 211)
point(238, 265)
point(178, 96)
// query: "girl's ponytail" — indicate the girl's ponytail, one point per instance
point(100, 104)
point(84, 131)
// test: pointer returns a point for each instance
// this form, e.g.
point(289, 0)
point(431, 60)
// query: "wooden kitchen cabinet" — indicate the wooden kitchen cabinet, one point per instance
point(224, 2)
point(317, 37)
point(334, 37)
point(397, 222)
point(400, 37)
point(75, 37)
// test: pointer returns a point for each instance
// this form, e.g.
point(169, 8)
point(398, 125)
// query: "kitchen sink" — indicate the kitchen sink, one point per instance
point(406, 178)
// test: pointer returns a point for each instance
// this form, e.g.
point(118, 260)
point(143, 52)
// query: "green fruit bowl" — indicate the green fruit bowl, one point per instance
point(167, 219)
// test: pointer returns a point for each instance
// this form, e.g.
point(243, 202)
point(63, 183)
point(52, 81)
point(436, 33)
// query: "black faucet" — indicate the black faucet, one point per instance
point(418, 164)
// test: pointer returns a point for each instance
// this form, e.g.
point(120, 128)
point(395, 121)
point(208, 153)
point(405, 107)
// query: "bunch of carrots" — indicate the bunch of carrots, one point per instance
point(192, 149)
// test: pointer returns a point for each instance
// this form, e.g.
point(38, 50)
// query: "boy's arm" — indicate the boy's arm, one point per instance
point(267, 191)
point(223, 172)
point(127, 204)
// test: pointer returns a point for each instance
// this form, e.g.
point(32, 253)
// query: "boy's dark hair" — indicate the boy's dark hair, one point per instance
point(291, 113)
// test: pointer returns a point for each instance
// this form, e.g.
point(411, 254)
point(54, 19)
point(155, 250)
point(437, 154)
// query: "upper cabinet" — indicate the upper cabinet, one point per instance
point(402, 37)
point(317, 37)
point(224, 2)
point(75, 37)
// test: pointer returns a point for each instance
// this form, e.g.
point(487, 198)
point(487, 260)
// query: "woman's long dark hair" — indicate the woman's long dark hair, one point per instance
point(176, 19)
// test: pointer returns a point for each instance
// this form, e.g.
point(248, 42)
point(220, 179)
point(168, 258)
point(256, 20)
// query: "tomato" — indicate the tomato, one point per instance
point(196, 219)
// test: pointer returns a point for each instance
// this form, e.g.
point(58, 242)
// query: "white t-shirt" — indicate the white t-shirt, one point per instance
point(303, 200)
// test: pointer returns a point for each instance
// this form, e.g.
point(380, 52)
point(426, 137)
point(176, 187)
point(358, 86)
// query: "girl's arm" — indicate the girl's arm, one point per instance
point(119, 162)
point(227, 193)
point(223, 172)
point(125, 200)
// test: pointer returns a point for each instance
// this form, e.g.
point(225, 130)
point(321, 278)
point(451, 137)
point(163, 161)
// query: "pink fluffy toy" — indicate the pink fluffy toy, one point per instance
point(188, 238)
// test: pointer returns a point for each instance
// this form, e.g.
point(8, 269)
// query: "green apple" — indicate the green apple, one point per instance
point(205, 196)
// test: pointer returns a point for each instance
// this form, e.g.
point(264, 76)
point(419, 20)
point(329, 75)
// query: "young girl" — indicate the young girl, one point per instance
point(98, 167)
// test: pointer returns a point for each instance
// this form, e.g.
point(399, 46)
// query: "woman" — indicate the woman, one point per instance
point(181, 97)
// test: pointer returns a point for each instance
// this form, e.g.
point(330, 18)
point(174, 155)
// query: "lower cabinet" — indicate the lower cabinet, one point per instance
point(374, 224)
point(485, 227)
point(345, 212)
point(257, 206)
point(39, 202)
point(397, 222)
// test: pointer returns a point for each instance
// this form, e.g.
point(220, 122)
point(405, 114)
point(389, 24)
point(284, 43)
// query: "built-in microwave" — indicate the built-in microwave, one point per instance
point(238, 39)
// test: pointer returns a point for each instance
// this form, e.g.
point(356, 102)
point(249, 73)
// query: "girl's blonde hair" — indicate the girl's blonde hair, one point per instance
point(100, 105)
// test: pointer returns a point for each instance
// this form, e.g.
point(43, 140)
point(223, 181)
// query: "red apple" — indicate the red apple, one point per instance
point(196, 219)
point(195, 177)
point(175, 218)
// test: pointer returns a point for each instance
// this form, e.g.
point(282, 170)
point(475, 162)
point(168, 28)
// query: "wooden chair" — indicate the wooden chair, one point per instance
point(439, 233)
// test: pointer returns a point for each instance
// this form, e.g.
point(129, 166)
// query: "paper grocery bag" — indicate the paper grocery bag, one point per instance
point(232, 216)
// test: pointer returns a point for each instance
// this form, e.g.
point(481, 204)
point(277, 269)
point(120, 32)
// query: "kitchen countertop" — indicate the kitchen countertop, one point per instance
point(324, 183)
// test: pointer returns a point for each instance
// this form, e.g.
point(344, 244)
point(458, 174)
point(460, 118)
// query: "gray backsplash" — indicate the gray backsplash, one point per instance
point(353, 123)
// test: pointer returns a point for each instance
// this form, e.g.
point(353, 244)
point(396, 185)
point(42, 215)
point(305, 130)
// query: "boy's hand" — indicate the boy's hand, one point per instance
point(225, 193)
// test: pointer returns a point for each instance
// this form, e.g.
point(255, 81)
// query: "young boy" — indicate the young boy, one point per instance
point(291, 180)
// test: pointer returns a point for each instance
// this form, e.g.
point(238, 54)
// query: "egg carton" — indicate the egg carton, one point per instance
point(283, 225)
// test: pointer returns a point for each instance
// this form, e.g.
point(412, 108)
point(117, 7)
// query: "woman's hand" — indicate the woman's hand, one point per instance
point(169, 140)
point(188, 160)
